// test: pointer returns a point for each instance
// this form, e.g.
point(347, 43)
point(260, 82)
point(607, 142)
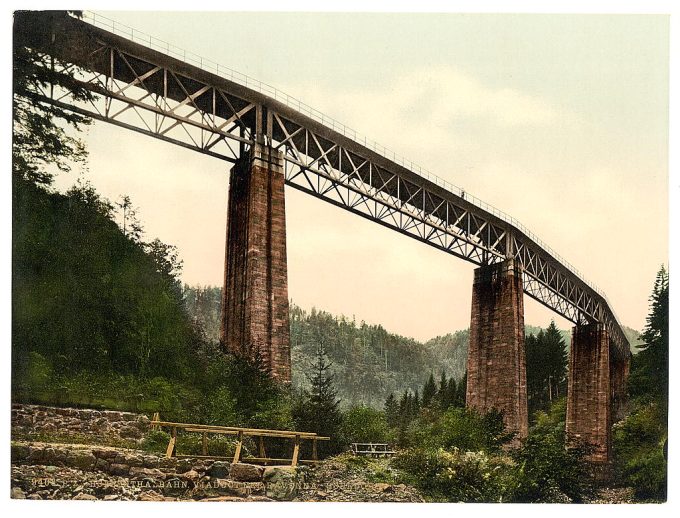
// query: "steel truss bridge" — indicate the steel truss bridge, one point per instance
point(156, 89)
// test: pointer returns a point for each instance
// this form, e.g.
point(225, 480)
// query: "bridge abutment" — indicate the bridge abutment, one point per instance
point(496, 367)
point(255, 321)
point(589, 394)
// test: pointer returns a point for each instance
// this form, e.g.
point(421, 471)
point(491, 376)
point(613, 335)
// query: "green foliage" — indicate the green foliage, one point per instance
point(156, 441)
point(457, 476)
point(638, 443)
point(364, 424)
point(317, 410)
point(460, 428)
point(639, 439)
point(649, 368)
point(368, 362)
point(546, 356)
point(40, 143)
point(546, 469)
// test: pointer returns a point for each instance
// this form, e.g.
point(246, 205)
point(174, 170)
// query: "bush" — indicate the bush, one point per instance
point(156, 441)
point(646, 472)
point(364, 424)
point(461, 428)
point(546, 470)
point(638, 451)
point(457, 476)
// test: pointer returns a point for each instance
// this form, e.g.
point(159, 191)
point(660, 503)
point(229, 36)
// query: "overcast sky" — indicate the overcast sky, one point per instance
point(559, 120)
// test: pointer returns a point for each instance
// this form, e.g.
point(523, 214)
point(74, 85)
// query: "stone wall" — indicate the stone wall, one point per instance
point(103, 426)
point(69, 471)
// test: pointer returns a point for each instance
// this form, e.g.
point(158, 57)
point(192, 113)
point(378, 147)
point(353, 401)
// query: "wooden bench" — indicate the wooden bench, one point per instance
point(240, 433)
point(372, 449)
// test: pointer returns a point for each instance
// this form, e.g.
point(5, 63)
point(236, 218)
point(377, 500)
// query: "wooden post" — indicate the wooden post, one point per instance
point(237, 453)
point(156, 417)
point(205, 443)
point(296, 451)
point(314, 453)
point(170, 452)
point(260, 450)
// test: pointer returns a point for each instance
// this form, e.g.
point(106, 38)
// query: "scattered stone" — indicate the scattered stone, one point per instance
point(151, 496)
point(246, 472)
point(84, 496)
point(18, 493)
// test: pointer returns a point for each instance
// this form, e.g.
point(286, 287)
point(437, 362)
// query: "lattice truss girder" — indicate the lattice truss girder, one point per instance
point(332, 172)
point(158, 101)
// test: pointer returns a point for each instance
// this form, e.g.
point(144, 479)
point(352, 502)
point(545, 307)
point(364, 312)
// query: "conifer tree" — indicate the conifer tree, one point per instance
point(429, 391)
point(320, 412)
point(391, 410)
point(649, 372)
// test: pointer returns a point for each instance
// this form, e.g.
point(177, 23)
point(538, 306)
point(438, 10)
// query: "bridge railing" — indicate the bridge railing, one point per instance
point(208, 65)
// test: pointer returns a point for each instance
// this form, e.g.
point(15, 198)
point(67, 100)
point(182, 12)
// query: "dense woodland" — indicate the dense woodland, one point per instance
point(99, 318)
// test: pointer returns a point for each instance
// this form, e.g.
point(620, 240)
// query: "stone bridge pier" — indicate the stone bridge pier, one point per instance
point(596, 391)
point(255, 321)
point(496, 367)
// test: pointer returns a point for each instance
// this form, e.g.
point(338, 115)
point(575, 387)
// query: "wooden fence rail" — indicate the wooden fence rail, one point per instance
point(240, 433)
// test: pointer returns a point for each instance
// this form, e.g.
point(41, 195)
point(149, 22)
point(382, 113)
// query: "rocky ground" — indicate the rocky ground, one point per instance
point(47, 471)
point(351, 479)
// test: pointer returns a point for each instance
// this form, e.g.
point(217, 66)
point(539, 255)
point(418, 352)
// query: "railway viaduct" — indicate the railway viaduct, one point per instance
point(273, 140)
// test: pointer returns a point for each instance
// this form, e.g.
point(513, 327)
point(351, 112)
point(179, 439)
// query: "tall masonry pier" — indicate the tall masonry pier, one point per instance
point(255, 320)
point(496, 366)
point(596, 392)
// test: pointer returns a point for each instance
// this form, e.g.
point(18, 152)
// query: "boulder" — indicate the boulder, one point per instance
point(219, 469)
point(19, 452)
point(141, 473)
point(246, 472)
point(81, 459)
point(121, 470)
point(281, 482)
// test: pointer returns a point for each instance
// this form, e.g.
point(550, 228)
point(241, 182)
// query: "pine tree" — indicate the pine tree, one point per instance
point(450, 393)
point(649, 372)
point(546, 357)
point(416, 404)
point(321, 413)
point(556, 353)
point(391, 410)
point(429, 391)
point(461, 391)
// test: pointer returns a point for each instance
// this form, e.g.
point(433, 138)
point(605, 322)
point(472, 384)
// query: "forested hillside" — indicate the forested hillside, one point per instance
point(368, 362)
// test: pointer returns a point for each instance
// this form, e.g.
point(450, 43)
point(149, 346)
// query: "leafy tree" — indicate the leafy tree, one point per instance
point(364, 424)
point(40, 142)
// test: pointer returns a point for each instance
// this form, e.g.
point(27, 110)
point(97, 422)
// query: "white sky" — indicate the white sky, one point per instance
point(559, 120)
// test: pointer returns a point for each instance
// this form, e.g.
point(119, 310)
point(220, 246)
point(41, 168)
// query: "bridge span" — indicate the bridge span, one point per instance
point(273, 140)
